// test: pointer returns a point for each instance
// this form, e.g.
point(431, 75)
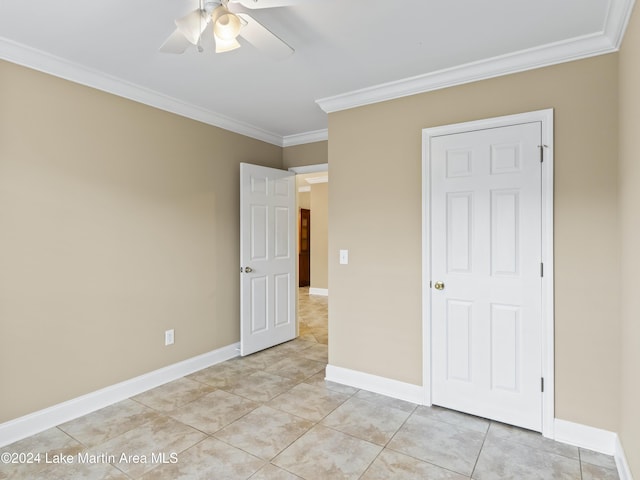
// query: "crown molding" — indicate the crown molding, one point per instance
point(305, 137)
point(607, 41)
point(530, 59)
point(617, 20)
point(59, 67)
point(574, 49)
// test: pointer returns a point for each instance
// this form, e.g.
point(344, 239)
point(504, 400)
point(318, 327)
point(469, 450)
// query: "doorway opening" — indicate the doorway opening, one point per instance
point(312, 207)
point(269, 249)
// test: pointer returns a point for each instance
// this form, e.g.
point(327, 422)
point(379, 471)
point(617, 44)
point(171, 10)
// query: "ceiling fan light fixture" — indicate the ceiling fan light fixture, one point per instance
point(226, 25)
point(192, 25)
point(224, 45)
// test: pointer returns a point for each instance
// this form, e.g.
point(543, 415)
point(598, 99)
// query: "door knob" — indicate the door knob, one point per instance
point(248, 269)
point(439, 286)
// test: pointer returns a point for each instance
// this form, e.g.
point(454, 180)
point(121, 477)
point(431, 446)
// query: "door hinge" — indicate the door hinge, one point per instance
point(541, 269)
point(542, 147)
point(542, 384)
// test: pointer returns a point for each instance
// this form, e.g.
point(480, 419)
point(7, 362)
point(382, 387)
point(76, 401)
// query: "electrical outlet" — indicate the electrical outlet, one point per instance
point(168, 337)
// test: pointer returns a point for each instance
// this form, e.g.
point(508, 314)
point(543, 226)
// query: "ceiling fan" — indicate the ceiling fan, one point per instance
point(226, 27)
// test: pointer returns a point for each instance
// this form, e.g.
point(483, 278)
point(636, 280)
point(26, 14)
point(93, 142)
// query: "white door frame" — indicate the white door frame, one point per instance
point(318, 167)
point(314, 168)
point(546, 119)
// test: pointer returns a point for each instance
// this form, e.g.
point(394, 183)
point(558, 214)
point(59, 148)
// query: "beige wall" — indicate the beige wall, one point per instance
point(630, 237)
point(304, 201)
point(302, 155)
point(319, 235)
point(118, 222)
point(374, 211)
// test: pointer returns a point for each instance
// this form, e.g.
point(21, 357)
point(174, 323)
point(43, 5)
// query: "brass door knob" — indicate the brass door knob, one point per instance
point(248, 269)
point(439, 286)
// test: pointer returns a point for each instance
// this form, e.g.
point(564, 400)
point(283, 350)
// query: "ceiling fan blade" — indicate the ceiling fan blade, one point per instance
point(176, 43)
point(207, 42)
point(266, 3)
point(192, 25)
point(263, 39)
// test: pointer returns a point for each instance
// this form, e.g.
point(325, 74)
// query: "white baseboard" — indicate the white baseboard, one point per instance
point(373, 383)
point(584, 436)
point(319, 291)
point(624, 472)
point(36, 422)
point(596, 439)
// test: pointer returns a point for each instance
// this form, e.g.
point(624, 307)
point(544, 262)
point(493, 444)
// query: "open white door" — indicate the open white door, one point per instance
point(267, 257)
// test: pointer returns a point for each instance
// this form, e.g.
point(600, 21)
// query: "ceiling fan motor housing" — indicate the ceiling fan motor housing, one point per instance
point(210, 5)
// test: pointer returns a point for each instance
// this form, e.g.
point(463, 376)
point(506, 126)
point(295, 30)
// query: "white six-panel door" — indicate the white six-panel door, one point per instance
point(486, 322)
point(267, 257)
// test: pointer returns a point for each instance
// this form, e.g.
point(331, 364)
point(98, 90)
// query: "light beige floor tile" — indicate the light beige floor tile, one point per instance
point(390, 465)
point(304, 333)
point(84, 471)
point(223, 375)
point(368, 421)
point(264, 432)
point(173, 394)
point(319, 381)
point(455, 418)
point(53, 441)
point(386, 401)
point(139, 450)
point(322, 338)
point(318, 352)
point(443, 444)
point(595, 458)
point(213, 411)
point(296, 368)
point(107, 423)
point(261, 386)
point(511, 460)
point(29, 456)
point(595, 472)
point(308, 401)
point(323, 453)
point(209, 459)
point(295, 346)
point(531, 439)
point(263, 359)
point(271, 472)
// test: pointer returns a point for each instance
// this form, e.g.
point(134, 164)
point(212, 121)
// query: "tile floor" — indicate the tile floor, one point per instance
point(273, 416)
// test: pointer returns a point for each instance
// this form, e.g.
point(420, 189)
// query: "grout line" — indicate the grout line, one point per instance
point(580, 462)
point(484, 439)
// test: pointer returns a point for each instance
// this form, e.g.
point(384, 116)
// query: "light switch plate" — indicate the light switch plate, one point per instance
point(344, 257)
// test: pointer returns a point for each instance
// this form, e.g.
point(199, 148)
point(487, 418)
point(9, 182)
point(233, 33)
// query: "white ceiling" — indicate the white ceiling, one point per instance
point(347, 53)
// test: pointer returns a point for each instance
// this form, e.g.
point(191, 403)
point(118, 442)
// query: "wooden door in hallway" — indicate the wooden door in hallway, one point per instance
point(304, 260)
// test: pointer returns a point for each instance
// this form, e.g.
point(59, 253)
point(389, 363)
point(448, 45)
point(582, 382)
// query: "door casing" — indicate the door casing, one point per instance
point(546, 119)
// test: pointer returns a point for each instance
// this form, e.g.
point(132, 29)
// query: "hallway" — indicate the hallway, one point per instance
point(312, 316)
